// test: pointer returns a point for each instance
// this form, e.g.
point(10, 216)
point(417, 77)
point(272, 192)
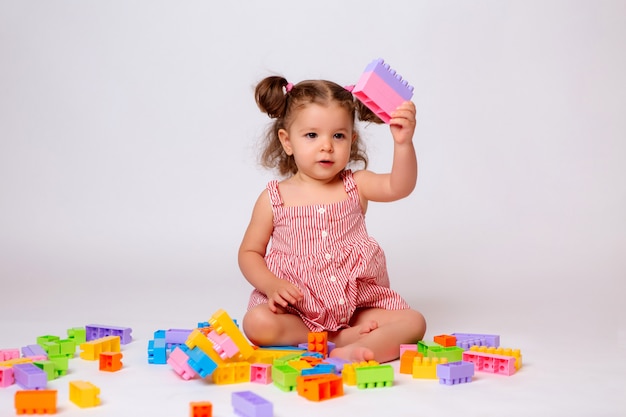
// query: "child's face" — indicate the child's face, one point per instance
point(319, 138)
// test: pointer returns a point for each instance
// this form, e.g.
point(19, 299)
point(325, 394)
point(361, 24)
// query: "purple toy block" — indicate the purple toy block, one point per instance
point(97, 331)
point(455, 372)
point(249, 404)
point(33, 350)
point(338, 363)
point(177, 336)
point(29, 376)
point(178, 361)
point(6, 376)
point(8, 354)
point(381, 89)
point(261, 373)
point(467, 340)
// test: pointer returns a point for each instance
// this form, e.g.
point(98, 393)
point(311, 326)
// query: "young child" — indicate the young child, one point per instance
point(322, 271)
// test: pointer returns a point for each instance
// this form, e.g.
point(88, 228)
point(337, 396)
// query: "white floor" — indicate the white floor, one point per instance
point(565, 373)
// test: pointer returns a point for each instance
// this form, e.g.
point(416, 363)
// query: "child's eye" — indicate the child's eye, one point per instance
point(340, 136)
point(311, 135)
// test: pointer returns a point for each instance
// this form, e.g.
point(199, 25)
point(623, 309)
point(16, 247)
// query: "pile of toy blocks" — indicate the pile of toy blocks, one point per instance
point(48, 359)
point(454, 358)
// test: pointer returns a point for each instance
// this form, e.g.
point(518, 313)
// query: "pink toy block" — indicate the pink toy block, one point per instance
point(487, 362)
point(381, 89)
point(223, 345)
point(8, 354)
point(261, 373)
point(6, 376)
point(405, 347)
point(178, 361)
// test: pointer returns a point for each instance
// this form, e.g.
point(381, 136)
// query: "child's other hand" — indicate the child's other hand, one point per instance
point(402, 123)
point(281, 294)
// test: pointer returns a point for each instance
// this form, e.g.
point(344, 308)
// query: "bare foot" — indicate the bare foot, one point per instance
point(353, 353)
point(366, 328)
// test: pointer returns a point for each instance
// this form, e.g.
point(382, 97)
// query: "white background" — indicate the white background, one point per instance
point(128, 165)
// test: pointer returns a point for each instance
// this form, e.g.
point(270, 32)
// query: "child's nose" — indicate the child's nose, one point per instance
point(327, 144)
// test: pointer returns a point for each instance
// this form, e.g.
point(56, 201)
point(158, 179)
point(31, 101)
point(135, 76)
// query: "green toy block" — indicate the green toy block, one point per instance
point(452, 353)
point(48, 367)
point(78, 334)
point(285, 377)
point(423, 346)
point(374, 376)
point(61, 364)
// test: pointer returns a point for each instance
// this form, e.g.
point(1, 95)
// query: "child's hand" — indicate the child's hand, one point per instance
point(402, 123)
point(281, 294)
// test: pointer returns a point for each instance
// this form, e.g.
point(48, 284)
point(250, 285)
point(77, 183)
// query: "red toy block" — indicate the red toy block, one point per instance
point(110, 361)
point(318, 342)
point(42, 401)
point(445, 340)
point(201, 409)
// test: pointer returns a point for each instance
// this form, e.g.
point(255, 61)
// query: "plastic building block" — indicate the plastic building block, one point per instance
point(8, 354)
point(198, 339)
point(381, 89)
point(454, 373)
point(423, 346)
point(285, 377)
point(29, 376)
point(6, 376)
point(177, 336)
point(42, 401)
point(406, 361)
point(110, 361)
point(349, 371)
point(318, 342)
point(516, 353)
point(467, 340)
point(452, 353)
point(249, 404)
point(426, 368)
point(33, 350)
point(269, 355)
point(200, 362)
point(261, 373)
point(201, 409)
point(46, 339)
point(299, 364)
point(222, 323)
point(320, 369)
point(445, 340)
point(84, 394)
point(374, 376)
point(157, 352)
point(92, 349)
point(61, 364)
point(488, 362)
point(339, 364)
point(77, 334)
point(98, 331)
point(178, 361)
point(232, 373)
point(320, 387)
point(285, 359)
point(48, 367)
point(223, 344)
point(408, 346)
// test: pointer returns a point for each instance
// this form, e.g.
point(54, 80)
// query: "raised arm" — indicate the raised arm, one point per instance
point(252, 258)
point(400, 182)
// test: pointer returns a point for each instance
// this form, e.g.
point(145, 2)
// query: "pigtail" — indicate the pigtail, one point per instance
point(270, 96)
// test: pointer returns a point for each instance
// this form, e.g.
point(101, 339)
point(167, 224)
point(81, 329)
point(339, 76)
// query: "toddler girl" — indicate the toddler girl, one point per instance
point(322, 271)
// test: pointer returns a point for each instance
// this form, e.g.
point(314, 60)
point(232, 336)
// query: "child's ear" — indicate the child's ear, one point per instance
point(283, 136)
point(354, 136)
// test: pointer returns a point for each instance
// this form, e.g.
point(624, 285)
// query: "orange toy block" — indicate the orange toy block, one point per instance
point(445, 340)
point(84, 394)
point(42, 401)
point(406, 361)
point(318, 342)
point(110, 361)
point(320, 387)
point(200, 409)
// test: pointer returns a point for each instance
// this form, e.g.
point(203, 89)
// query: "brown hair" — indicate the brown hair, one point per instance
point(281, 103)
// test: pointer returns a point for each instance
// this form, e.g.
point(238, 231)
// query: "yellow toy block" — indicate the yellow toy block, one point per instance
point(222, 323)
point(268, 355)
point(299, 364)
point(426, 368)
point(232, 373)
point(197, 338)
point(349, 371)
point(92, 349)
point(9, 363)
point(84, 394)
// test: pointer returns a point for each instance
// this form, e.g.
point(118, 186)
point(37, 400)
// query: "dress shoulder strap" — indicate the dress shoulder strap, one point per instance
point(272, 189)
point(349, 183)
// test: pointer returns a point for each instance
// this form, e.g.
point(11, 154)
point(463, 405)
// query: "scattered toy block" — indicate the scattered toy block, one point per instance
point(178, 360)
point(33, 350)
point(223, 345)
point(426, 368)
point(318, 342)
point(374, 376)
point(8, 354)
point(110, 361)
point(6, 376)
point(249, 404)
point(232, 373)
point(406, 361)
point(40, 401)
point(222, 323)
point(407, 346)
point(320, 387)
point(452, 353)
point(99, 331)
point(29, 376)
point(467, 340)
point(77, 334)
point(445, 340)
point(349, 371)
point(92, 349)
point(285, 377)
point(454, 373)
point(201, 409)
point(516, 353)
point(261, 373)
point(157, 351)
point(320, 369)
point(488, 362)
point(84, 394)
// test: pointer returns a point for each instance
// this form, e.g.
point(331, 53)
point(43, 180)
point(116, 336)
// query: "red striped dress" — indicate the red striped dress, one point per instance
point(326, 252)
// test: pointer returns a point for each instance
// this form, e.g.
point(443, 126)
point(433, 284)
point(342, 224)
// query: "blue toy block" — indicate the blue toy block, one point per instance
point(454, 373)
point(249, 404)
point(320, 369)
point(200, 362)
point(157, 353)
